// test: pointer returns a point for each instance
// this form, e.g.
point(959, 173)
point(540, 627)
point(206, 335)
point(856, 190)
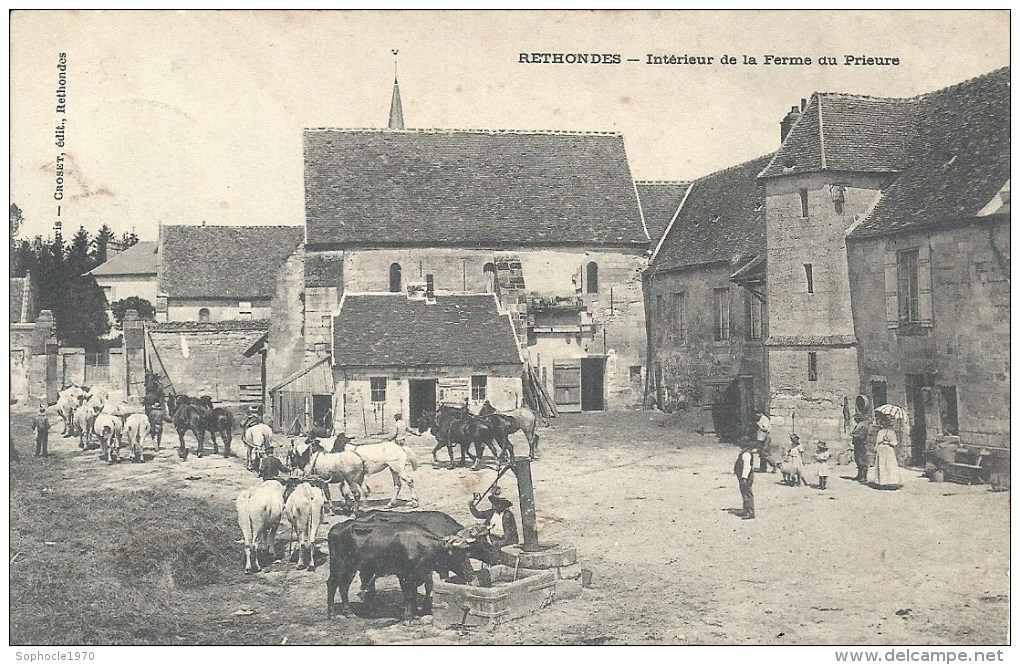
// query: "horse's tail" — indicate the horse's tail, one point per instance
point(412, 458)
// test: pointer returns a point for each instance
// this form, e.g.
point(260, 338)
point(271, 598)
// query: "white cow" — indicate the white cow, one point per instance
point(304, 512)
point(84, 419)
point(136, 427)
point(109, 428)
point(259, 511)
point(67, 402)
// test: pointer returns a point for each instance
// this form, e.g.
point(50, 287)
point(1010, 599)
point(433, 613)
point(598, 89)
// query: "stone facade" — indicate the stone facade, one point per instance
point(220, 309)
point(965, 352)
point(616, 310)
point(812, 344)
point(692, 366)
point(207, 359)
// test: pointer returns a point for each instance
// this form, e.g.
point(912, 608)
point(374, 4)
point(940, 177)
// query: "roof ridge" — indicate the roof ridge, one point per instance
point(821, 133)
point(437, 130)
point(228, 226)
point(961, 84)
point(735, 166)
point(663, 182)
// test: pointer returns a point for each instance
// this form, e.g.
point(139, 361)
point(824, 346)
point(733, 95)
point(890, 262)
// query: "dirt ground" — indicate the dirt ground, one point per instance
point(646, 501)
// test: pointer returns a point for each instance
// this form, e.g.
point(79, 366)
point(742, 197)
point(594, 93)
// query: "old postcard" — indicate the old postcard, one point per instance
point(511, 328)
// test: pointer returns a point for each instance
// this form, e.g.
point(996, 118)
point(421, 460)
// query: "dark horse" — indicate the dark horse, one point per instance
point(200, 416)
point(190, 417)
point(452, 424)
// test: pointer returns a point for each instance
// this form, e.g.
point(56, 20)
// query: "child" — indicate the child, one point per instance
point(41, 429)
point(822, 458)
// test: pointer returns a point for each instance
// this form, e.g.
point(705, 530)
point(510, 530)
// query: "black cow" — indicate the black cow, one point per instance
point(438, 523)
point(376, 549)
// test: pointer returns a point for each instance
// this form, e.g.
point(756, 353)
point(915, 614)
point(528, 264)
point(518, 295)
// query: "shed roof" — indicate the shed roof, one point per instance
point(238, 262)
point(469, 187)
point(138, 259)
point(721, 219)
point(380, 329)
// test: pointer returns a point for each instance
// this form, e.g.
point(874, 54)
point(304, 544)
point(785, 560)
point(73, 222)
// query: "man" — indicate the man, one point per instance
point(41, 429)
point(744, 470)
point(487, 410)
point(859, 438)
point(500, 520)
point(763, 436)
point(399, 430)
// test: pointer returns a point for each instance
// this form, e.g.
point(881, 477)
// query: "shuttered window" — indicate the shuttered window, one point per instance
point(908, 288)
point(754, 316)
point(722, 314)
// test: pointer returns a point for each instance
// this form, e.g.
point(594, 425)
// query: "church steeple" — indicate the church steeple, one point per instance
point(396, 110)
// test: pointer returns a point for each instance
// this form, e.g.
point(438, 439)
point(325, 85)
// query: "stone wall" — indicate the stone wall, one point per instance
point(818, 321)
point(207, 359)
point(693, 368)
point(968, 345)
point(617, 308)
point(181, 309)
point(286, 353)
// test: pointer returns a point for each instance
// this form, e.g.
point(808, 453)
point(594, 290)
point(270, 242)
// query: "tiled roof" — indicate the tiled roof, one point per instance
point(958, 158)
point(840, 132)
point(469, 188)
point(139, 259)
point(224, 261)
point(722, 219)
point(18, 288)
point(388, 329)
point(659, 201)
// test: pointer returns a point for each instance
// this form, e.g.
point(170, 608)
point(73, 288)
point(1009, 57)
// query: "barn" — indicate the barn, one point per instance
point(404, 353)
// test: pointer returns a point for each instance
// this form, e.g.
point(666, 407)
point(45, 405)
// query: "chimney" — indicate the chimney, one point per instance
point(787, 124)
point(430, 289)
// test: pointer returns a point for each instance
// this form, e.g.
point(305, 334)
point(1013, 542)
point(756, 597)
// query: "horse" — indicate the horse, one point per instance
point(194, 418)
point(521, 420)
point(155, 416)
point(221, 422)
point(353, 466)
point(454, 424)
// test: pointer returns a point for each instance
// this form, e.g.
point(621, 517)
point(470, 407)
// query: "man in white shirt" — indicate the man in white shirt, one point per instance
point(763, 436)
point(399, 430)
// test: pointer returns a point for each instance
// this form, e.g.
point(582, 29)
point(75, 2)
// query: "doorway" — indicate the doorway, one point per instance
point(422, 397)
point(322, 412)
point(915, 411)
point(593, 384)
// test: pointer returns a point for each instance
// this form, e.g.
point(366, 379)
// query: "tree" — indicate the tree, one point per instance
point(129, 238)
point(17, 268)
point(145, 309)
point(102, 240)
point(78, 253)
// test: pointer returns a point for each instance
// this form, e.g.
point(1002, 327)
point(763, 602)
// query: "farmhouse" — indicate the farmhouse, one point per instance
point(885, 268)
point(129, 273)
point(548, 222)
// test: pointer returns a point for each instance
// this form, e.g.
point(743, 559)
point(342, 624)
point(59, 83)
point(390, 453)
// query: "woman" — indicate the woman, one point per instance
point(795, 461)
point(887, 468)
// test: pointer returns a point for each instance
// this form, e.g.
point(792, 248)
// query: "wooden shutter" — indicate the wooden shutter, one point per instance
point(892, 311)
point(925, 313)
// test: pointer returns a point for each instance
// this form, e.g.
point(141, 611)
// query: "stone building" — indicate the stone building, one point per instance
point(548, 221)
point(129, 273)
point(886, 266)
point(217, 273)
point(705, 312)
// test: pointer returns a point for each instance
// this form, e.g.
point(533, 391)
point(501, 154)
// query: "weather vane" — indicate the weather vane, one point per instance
point(395, 52)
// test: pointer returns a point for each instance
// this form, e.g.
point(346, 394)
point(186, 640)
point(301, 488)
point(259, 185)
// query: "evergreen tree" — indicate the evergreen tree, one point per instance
point(102, 240)
point(17, 268)
point(78, 254)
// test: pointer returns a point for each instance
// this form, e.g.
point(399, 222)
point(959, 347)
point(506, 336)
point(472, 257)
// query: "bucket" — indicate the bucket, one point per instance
point(586, 578)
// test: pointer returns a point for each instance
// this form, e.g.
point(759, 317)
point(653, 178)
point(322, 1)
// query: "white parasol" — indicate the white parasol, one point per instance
point(893, 411)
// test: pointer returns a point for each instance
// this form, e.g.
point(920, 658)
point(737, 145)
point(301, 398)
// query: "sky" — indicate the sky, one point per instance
point(181, 117)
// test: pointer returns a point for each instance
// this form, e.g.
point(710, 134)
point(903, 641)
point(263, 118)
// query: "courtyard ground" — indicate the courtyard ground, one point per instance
point(150, 553)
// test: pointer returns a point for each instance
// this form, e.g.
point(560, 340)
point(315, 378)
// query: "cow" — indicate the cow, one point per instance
point(109, 429)
point(67, 402)
point(259, 511)
point(303, 509)
point(84, 419)
point(409, 551)
point(96, 400)
point(136, 427)
point(258, 442)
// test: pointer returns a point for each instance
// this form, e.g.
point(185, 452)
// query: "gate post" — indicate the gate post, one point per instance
point(134, 353)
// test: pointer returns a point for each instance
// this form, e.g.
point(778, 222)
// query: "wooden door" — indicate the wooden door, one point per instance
point(567, 385)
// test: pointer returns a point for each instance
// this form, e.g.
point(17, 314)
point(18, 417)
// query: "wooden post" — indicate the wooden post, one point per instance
point(526, 492)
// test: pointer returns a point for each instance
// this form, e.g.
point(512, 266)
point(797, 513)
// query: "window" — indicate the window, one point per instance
point(478, 385)
point(680, 314)
point(948, 409)
point(812, 366)
point(803, 204)
point(906, 286)
point(593, 277)
point(810, 277)
point(203, 315)
point(722, 314)
point(754, 316)
point(489, 270)
point(244, 310)
point(395, 283)
point(378, 389)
